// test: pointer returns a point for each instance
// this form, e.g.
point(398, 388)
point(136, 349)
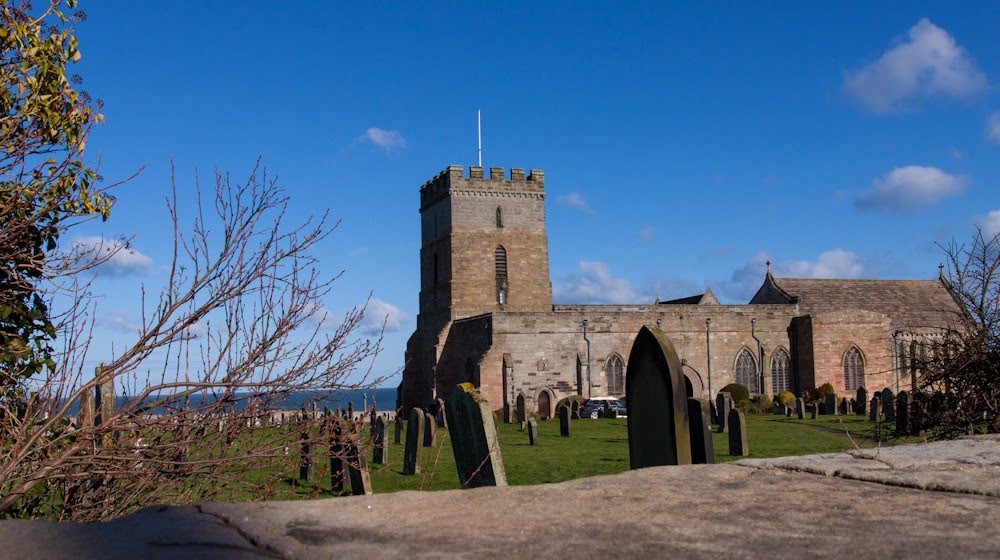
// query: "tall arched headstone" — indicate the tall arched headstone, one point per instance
point(474, 438)
point(520, 409)
point(658, 432)
point(414, 442)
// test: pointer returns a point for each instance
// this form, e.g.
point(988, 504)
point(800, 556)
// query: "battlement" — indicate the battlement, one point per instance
point(454, 179)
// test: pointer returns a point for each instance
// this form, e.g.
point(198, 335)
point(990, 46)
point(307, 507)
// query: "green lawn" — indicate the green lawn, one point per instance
point(601, 447)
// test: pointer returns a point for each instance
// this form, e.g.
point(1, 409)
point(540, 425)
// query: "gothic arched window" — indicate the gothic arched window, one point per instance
point(854, 369)
point(500, 261)
point(499, 217)
point(614, 369)
point(781, 378)
point(746, 370)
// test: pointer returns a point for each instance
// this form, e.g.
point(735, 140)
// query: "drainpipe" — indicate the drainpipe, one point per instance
point(708, 343)
point(587, 340)
point(760, 356)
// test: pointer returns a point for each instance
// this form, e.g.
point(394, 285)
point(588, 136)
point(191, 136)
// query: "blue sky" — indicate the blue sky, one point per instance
point(683, 145)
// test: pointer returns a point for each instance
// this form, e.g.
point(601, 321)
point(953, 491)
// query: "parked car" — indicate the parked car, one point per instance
point(594, 408)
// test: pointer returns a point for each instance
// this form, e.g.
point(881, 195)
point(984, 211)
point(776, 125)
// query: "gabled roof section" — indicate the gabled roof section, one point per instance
point(707, 298)
point(908, 303)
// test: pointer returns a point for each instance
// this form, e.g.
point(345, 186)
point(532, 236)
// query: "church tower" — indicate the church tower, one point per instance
point(484, 248)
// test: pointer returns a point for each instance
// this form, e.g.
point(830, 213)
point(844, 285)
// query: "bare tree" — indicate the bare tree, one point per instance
point(237, 329)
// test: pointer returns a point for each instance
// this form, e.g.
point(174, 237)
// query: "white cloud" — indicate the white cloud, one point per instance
point(909, 188)
point(195, 330)
point(379, 313)
point(120, 259)
point(646, 234)
point(836, 263)
point(575, 200)
point(119, 321)
point(991, 223)
point(993, 129)
point(594, 283)
point(323, 318)
point(389, 140)
point(928, 63)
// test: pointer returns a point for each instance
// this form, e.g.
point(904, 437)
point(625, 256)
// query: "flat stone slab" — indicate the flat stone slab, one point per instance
point(969, 465)
point(774, 508)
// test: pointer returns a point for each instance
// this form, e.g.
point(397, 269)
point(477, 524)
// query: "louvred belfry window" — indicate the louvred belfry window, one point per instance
point(500, 262)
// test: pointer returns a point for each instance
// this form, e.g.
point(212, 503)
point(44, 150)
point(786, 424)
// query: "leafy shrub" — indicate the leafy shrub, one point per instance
point(786, 398)
point(759, 404)
point(824, 390)
point(737, 392)
point(568, 401)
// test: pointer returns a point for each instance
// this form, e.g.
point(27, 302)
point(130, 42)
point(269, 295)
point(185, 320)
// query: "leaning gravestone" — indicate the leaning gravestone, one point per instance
point(903, 414)
point(565, 421)
point(357, 467)
point(414, 442)
point(658, 431)
point(862, 401)
point(723, 404)
point(474, 439)
point(800, 408)
point(830, 406)
point(699, 424)
point(380, 442)
point(532, 431)
point(737, 423)
point(430, 429)
point(440, 419)
point(875, 410)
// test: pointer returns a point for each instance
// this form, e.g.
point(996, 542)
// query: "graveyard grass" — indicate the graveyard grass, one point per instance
point(597, 447)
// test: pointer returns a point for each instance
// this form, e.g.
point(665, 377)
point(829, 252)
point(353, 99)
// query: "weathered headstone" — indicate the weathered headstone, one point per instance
point(885, 396)
point(440, 419)
point(699, 424)
point(350, 411)
point(508, 413)
point(830, 406)
point(520, 409)
point(336, 448)
point(565, 421)
point(430, 430)
point(397, 429)
point(104, 396)
point(815, 410)
point(522, 425)
point(737, 423)
point(875, 410)
point(800, 408)
point(918, 410)
point(889, 409)
point(380, 442)
point(853, 406)
point(414, 442)
point(474, 438)
point(305, 450)
point(845, 406)
point(861, 401)
point(658, 430)
point(575, 409)
point(723, 404)
point(532, 431)
point(903, 414)
point(357, 467)
point(788, 412)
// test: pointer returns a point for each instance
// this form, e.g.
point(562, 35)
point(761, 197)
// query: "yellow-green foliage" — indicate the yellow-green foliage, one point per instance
point(786, 398)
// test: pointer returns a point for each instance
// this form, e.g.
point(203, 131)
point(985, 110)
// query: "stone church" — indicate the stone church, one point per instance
point(487, 316)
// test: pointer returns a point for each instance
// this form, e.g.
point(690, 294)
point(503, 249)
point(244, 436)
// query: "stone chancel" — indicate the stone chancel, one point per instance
point(487, 316)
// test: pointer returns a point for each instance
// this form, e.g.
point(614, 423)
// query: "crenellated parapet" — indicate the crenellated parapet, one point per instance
point(454, 180)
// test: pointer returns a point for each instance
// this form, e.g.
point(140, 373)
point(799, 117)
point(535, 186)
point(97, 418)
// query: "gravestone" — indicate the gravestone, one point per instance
point(861, 401)
point(831, 405)
point(575, 409)
point(337, 434)
point(606, 410)
point(889, 410)
point(565, 421)
point(350, 411)
point(532, 432)
point(737, 423)
point(918, 410)
point(723, 404)
point(430, 429)
point(875, 410)
point(699, 424)
point(788, 412)
point(520, 409)
point(398, 429)
point(845, 406)
point(814, 409)
point(903, 414)
point(853, 407)
point(658, 430)
point(380, 442)
point(357, 467)
point(474, 438)
point(508, 413)
point(800, 408)
point(522, 425)
point(414, 442)
point(305, 450)
point(440, 419)
point(886, 395)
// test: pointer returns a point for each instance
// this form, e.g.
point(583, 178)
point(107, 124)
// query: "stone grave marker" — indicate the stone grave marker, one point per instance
point(885, 396)
point(337, 434)
point(788, 411)
point(350, 411)
point(474, 438)
point(903, 414)
point(532, 432)
point(800, 408)
point(442, 421)
point(522, 425)
point(575, 409)
point(397, 428)
point(380, 442)
point(357, 467)
point(414, 442)
point(861, 401)
point(845, 406)
point(814, 409)
point(889, 410)
point(430, 429)
point(830, 406)
point(699, 424)
point(305, 450)
point(658, 429)
point(737, 423)
point(875, 410)
point(520, 409)
point(723, 404)
point(565, 421)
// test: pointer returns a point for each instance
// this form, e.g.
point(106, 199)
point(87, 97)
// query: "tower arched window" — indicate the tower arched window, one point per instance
point(854, 369)
point(746, 370)
point(500, 262)
point(614, 369)
point(499, 217)
point(781, 377)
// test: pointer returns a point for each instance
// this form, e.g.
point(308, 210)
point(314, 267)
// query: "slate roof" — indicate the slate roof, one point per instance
point(908, 303)
point(707, 298)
